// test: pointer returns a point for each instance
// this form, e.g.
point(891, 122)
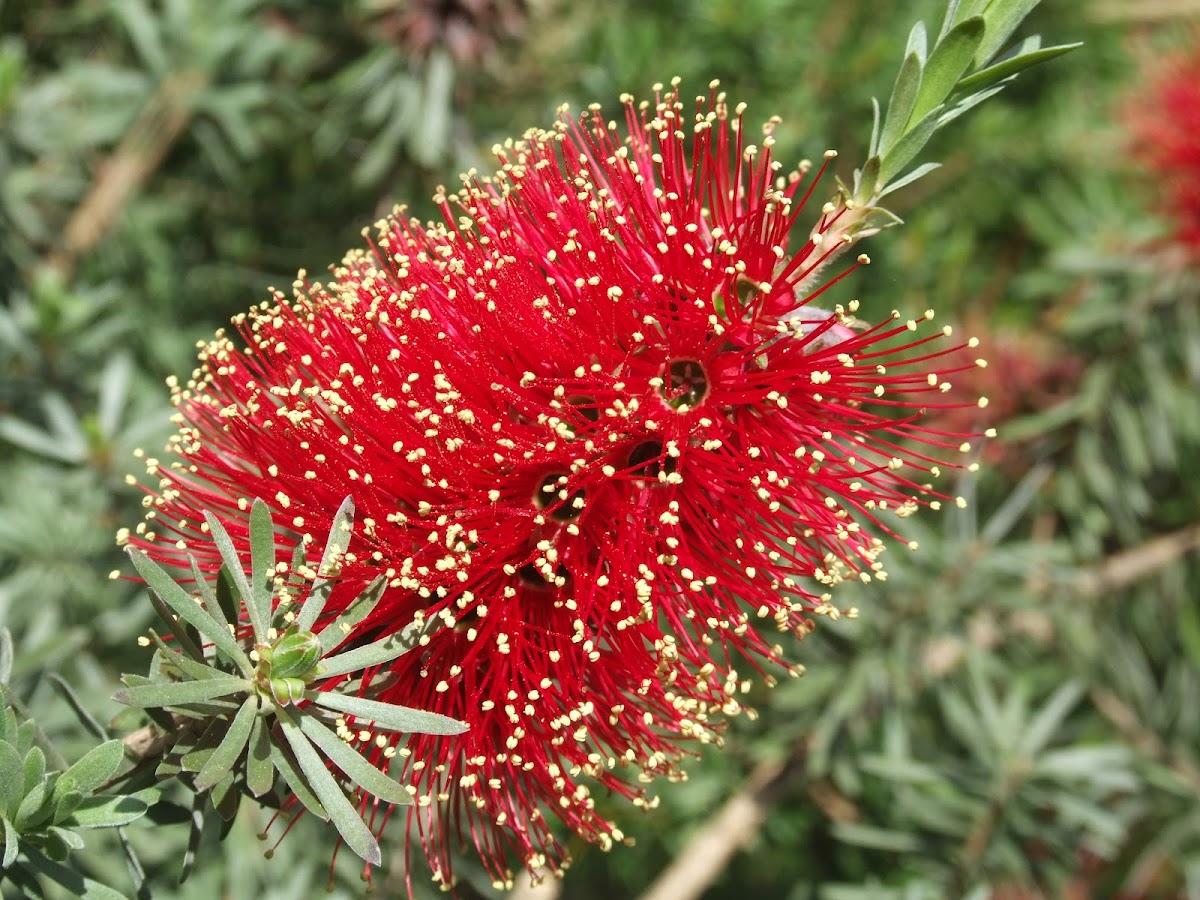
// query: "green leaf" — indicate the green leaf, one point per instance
point(34, 767)
point(177, 693)
point(262, 568)
point(188, 609)
point(900, 106)
point(917, 42)
point(12, 778)
point(195, 836)
point(919, 172)
point(66, 801)
point(108, 812)
point(35, 808)
point(1050, 718)
point(76, 884)
point(361, 607)
point(177, 627)
point(335, 548)
point(946, 65)
point(1011, 66)
point(233, 566)
point(876, 838)
point(260, 774)
point(6, 655)
point(296, 782)
point(95, 767)
point(353, 764)
point(12, 843)
point(1002, 20)
point(913, 141)
point(70, 839)
point(387, 716)
point(195, 671)
point(381, 651)
point(345, 817)
point(221, 762)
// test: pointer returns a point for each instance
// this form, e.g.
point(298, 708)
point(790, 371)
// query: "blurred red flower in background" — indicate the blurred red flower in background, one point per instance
point(1166, 125)
point(595, 423)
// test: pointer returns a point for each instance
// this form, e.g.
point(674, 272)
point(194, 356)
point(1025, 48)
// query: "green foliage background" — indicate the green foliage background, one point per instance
point(1017, 711)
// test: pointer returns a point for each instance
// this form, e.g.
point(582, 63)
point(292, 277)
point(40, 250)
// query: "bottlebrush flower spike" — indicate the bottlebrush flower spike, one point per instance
point(589, 422)
point(1166, 122)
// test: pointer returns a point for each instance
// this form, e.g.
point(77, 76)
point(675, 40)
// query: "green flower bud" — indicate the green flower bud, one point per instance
point(295, 656)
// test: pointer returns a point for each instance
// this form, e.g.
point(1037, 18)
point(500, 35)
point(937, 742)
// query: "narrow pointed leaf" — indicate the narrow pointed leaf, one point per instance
point(177, 627)
point(207, 596)
point(196, 671)
point(226, 755)
point(225, 800)
point(335, 548)
point(107, 812)
point(353, 764)
point(296, 782)
point(914, 140)
point(919, 172)
point(361, 607)
point(381, 651)
point(95, 767)
point(86, 718)
point(233, 565)
point(262, 568)
point(260, 773)
point(946, 65)
point(1002, 20)
point(188, 609)
point(1012, 66)
point(900, 106)
point(195, 836)
point(345, 817)
point(387, 715)
point(176, 693)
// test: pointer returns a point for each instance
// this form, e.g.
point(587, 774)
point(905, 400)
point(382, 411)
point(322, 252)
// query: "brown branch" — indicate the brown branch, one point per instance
point(141, 151)
point(1128, 566)
point(734, 825)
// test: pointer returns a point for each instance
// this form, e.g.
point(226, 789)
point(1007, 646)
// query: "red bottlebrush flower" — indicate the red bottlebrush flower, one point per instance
point(594, 422)
point(1166, 122)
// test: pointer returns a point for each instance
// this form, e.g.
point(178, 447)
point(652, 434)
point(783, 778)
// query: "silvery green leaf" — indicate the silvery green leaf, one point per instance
point(225, 756)
point(176, 693)
point(360, 607)
point(35, 808)
point(946, 65)
point(107, 812)
point(12, 843)
point(900, 106)
point(917, 42)
point(70, 839)
point(381, 651)
point(12, 778)
point(296, 781)
point(335, 549)
point(1013, 65)
point(262, 568)
point(179, 628)
point(233, 566)
point(188, 609)
point(345, 817)
point(388, 716)
point(197, 671)
point(1002, 21)
point(357, 769)
point(260, 773)
point(34, 767)
point(6, 655)
point(913, 141)
point(919, 172)
point(95, 767)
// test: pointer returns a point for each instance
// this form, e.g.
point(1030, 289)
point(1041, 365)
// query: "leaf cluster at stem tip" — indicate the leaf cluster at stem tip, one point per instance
point(937, 85)
point(241, 710)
